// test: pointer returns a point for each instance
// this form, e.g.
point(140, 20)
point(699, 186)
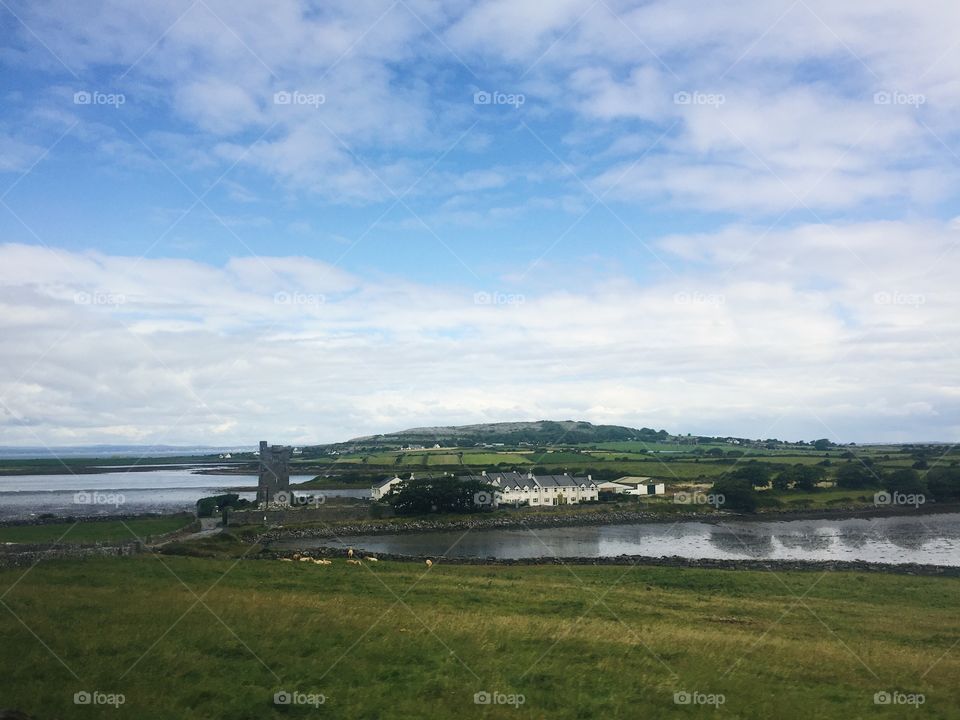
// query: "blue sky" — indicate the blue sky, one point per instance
point(727, 220)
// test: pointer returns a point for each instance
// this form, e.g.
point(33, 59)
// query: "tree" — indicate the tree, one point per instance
point(755, 473)
point(737, 494)
point(439, 495)
point(944, 484)
point(808, 476)
point(906, 481)
point(854, 476)
point(822, 444)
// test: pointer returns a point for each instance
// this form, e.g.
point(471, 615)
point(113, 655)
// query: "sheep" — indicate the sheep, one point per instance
point(322, 562)
point(429, 563)
point(349, 552)
point(371, 559)
point(296, 556)
point(354, 562)
point(306, 559)
point(285, 560)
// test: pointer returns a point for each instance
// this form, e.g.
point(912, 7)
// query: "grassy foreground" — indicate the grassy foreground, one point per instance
point(207, 638)
point(98, 531)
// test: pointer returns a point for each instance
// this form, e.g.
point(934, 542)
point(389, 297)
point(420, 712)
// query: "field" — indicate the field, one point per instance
point(202, 638)
point(101, 531)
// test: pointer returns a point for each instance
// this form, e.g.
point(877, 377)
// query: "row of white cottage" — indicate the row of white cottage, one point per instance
point(513, 488)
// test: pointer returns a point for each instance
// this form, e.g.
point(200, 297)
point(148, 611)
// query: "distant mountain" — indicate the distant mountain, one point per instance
point(540, 432)
point(102, 451)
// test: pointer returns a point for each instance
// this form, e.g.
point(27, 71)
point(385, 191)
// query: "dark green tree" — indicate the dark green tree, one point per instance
point(441, 495)
point(944, 484)
point(854, 476)
point(906, 481)
point(737, 494)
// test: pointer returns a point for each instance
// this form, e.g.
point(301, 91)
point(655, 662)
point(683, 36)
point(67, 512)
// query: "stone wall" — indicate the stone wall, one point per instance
point(26, 554)
point(328, 512)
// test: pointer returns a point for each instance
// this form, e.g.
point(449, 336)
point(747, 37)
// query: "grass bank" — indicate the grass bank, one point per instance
point(394, 640)
point(86, 531)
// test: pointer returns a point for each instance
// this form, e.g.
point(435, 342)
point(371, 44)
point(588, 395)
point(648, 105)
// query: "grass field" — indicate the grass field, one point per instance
point(392, 640)
point(85, 532)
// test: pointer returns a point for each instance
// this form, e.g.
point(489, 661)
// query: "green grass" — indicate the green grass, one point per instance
point(101, 530)
point(581, 642)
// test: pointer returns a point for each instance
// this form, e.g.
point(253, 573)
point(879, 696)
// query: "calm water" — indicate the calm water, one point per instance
point(120, 493)
point(932, 539)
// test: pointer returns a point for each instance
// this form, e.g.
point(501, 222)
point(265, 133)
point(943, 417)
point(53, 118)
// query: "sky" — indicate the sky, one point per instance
point(226, 221)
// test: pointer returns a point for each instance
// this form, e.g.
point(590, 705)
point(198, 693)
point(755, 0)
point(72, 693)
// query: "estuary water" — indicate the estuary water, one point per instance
point(931, 538)
point(125, 493)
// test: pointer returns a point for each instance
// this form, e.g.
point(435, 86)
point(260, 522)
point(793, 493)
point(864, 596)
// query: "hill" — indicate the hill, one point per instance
point(540, 432)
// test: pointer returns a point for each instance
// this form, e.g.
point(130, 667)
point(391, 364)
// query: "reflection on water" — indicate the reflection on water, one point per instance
point(931, 539)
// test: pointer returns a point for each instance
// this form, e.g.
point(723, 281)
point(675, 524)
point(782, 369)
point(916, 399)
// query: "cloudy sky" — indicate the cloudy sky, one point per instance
point(222, 221)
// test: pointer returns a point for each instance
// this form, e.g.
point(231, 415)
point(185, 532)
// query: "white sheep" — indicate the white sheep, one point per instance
point(429, 563)
point(371, 559)
point(354, 562)
point(350, 552)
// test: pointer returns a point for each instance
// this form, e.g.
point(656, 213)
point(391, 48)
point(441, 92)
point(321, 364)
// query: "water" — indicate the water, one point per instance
point(123, 493)
point(929, 539)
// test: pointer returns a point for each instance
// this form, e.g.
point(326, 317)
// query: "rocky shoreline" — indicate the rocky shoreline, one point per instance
point(542, 520)
point(672, 561)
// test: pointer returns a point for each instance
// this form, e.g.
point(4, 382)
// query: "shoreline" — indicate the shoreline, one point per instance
point(541, 520)
point(674, 561)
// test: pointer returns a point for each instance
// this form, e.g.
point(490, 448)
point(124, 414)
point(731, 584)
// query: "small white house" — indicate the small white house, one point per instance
point(380, 489)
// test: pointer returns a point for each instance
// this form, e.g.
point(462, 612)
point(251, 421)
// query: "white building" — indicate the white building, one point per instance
point(614, 487)
point(383, 487)
point(515, 488)
point(643, 486)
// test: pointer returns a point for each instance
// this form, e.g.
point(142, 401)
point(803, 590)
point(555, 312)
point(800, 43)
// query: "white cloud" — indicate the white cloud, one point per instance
point(844, 318)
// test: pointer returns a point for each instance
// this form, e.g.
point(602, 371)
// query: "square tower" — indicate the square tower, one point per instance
point(274, 472)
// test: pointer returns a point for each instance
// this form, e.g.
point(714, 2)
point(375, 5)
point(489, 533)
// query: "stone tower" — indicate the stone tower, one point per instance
point(274, 472)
